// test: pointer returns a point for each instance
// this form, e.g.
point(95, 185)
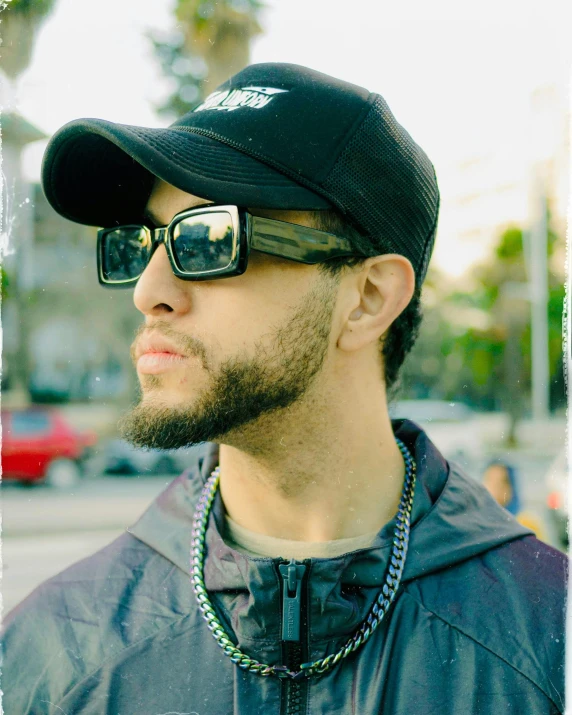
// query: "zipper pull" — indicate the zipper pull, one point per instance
point(292, 575)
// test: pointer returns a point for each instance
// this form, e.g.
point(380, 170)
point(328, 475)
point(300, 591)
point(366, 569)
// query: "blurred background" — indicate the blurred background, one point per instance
point(483, 89)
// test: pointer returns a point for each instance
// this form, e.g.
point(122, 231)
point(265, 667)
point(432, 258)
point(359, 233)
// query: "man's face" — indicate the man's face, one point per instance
point(215, 356)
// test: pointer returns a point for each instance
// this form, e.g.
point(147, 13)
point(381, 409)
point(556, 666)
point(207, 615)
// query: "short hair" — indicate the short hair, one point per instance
point(401, 335)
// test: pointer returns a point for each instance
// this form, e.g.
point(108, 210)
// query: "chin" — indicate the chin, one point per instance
point(174, 390)
point(161, 398)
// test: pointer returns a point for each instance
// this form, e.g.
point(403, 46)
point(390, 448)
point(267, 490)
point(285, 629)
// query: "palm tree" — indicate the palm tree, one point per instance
point(212, 42)
point(20, 20)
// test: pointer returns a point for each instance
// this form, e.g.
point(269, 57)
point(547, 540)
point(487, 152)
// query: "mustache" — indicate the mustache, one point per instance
point(185, 343)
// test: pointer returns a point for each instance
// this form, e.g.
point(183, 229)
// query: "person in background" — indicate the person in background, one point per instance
point(501, 479)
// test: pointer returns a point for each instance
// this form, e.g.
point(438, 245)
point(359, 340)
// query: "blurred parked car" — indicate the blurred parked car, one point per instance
point(120, 457)
point(38, 445)
point(452, 426)
point(557, 497)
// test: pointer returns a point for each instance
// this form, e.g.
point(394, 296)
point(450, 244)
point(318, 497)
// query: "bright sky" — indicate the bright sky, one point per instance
point(458, 76)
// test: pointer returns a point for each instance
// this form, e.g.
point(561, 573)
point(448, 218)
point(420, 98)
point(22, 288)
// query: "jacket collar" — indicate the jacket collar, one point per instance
point(453, 518)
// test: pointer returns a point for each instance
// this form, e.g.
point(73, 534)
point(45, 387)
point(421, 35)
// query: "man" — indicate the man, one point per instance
point(277, 237)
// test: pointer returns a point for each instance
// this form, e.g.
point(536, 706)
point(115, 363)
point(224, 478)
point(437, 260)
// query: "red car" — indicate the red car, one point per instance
point(38, 445)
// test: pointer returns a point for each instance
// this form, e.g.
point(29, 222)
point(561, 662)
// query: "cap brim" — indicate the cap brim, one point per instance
point(100, 173)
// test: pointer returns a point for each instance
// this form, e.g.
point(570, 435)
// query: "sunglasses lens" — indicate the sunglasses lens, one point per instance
point(124, 253)
point(204, 243)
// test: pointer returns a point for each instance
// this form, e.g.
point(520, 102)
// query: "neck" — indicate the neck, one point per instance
point(319, 474)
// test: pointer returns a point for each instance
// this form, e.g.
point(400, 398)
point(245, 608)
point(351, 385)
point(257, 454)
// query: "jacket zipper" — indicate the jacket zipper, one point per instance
point(294, 634)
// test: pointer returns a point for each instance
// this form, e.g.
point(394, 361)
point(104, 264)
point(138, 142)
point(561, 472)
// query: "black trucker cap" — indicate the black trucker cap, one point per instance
point(275, 136)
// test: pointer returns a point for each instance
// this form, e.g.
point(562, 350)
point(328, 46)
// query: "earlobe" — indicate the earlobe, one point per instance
point(352, 336)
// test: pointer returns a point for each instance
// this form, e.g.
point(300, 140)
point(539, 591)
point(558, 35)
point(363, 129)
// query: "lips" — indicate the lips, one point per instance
point(154, 354)
point(151, 344)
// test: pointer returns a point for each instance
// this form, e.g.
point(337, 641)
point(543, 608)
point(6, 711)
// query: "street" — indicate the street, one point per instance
point(44, 530)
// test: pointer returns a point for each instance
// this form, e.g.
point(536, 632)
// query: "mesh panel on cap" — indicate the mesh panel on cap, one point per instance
point(386, 184)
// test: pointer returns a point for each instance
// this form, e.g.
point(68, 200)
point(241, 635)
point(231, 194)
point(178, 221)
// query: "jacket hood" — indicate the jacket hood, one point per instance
point(453, 519)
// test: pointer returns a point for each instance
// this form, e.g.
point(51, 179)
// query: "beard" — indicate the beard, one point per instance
point(243, 389)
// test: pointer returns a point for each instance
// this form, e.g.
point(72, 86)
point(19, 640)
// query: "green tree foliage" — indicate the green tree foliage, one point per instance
point(4, 284)
point(37, 8)
point(475, 346)
point(209, 43)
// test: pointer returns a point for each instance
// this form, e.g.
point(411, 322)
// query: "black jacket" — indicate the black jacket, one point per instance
point(477, 626)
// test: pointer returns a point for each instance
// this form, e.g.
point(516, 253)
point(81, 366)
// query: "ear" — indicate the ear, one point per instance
point(381, 290)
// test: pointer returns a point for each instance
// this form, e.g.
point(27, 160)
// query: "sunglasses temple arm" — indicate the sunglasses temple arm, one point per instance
point(299, 243)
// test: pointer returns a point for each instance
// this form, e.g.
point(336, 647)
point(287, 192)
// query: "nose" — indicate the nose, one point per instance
point(158, 290)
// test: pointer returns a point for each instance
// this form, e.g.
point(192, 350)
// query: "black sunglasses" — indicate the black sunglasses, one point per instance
point(208, 243)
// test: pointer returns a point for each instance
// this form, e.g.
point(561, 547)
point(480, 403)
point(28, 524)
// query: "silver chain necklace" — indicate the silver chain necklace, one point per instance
point(374, 618)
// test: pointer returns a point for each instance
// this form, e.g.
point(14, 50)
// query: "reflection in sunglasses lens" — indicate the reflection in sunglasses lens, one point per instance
point(204, 243)
point(125, 253)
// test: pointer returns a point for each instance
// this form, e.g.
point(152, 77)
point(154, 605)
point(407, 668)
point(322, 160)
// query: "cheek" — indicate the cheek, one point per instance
point(237, 325)
point(235, 316)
